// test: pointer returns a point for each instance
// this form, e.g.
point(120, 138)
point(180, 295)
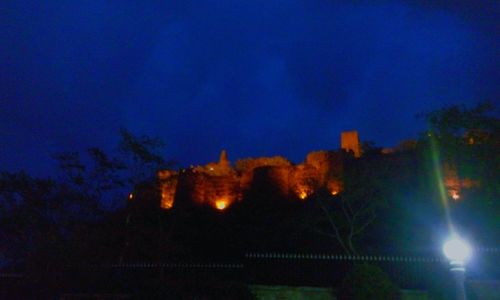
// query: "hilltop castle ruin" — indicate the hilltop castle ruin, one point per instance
point(220, 184)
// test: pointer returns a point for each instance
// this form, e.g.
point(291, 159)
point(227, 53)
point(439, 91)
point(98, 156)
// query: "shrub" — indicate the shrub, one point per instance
point(367, 282)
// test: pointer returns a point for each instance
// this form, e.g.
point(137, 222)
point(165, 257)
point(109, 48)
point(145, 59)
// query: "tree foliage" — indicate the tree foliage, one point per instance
point(41, 218)
point(455, 122)
point(141, 155)
point(468, 139)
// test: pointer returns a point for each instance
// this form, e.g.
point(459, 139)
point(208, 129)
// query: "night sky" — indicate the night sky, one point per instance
point(257, 78)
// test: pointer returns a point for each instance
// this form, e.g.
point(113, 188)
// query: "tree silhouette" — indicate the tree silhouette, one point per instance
point(346, 216)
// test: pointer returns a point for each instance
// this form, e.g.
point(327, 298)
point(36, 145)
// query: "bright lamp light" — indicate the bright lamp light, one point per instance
point(457, 249)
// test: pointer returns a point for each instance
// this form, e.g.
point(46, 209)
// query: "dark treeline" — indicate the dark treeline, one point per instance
point(47, 221)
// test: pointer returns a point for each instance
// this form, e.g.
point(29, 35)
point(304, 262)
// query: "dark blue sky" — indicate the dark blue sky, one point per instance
point(253, 77)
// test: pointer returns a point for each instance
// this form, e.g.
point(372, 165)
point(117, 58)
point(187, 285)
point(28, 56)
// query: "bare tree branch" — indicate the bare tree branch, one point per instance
point(334, 227)
point(363, 227)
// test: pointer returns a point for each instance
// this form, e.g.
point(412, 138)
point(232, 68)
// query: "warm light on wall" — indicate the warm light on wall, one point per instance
point(302, 193)
point(168, 184)
point(166, 201)
point(455, 195)
point(334, 187)
point(221, 204)
point(219, 184)
point(130, 196)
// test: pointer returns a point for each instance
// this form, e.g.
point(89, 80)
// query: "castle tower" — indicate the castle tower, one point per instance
point(223, 161)
point(349, 140)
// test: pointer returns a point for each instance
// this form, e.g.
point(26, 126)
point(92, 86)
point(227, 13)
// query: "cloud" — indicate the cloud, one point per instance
point(258, 78)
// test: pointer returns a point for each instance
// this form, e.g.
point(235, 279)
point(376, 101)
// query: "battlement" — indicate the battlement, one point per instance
point(220, 185)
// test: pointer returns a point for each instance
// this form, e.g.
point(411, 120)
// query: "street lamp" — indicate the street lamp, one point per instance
point(458, 252)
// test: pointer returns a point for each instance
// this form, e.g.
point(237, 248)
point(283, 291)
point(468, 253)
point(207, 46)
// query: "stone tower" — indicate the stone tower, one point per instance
point(349, 140)
point(223, 161)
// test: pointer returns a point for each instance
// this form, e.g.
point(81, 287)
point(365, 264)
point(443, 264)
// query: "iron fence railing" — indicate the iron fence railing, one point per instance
point(264, 268)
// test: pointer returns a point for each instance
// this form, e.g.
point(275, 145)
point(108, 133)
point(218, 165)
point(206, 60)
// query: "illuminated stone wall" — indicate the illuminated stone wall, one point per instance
point(349, 141)
point(168, 186)
point(219, 185)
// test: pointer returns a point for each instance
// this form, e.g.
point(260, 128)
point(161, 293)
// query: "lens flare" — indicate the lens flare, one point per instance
point(439, 178)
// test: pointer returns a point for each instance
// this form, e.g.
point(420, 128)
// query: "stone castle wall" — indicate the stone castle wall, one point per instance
point(219, 184)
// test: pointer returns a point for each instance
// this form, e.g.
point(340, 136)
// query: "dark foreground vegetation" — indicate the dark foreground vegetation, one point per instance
point(77, 232)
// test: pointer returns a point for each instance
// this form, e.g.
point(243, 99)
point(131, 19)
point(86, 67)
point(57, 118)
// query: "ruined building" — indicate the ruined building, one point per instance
point(221, 184)
point(349, 141)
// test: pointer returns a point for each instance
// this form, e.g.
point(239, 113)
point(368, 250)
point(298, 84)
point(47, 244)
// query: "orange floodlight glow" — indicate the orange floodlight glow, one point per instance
point(167, 201)
point(455, 195)
point(303, 194)
point(221, 204)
